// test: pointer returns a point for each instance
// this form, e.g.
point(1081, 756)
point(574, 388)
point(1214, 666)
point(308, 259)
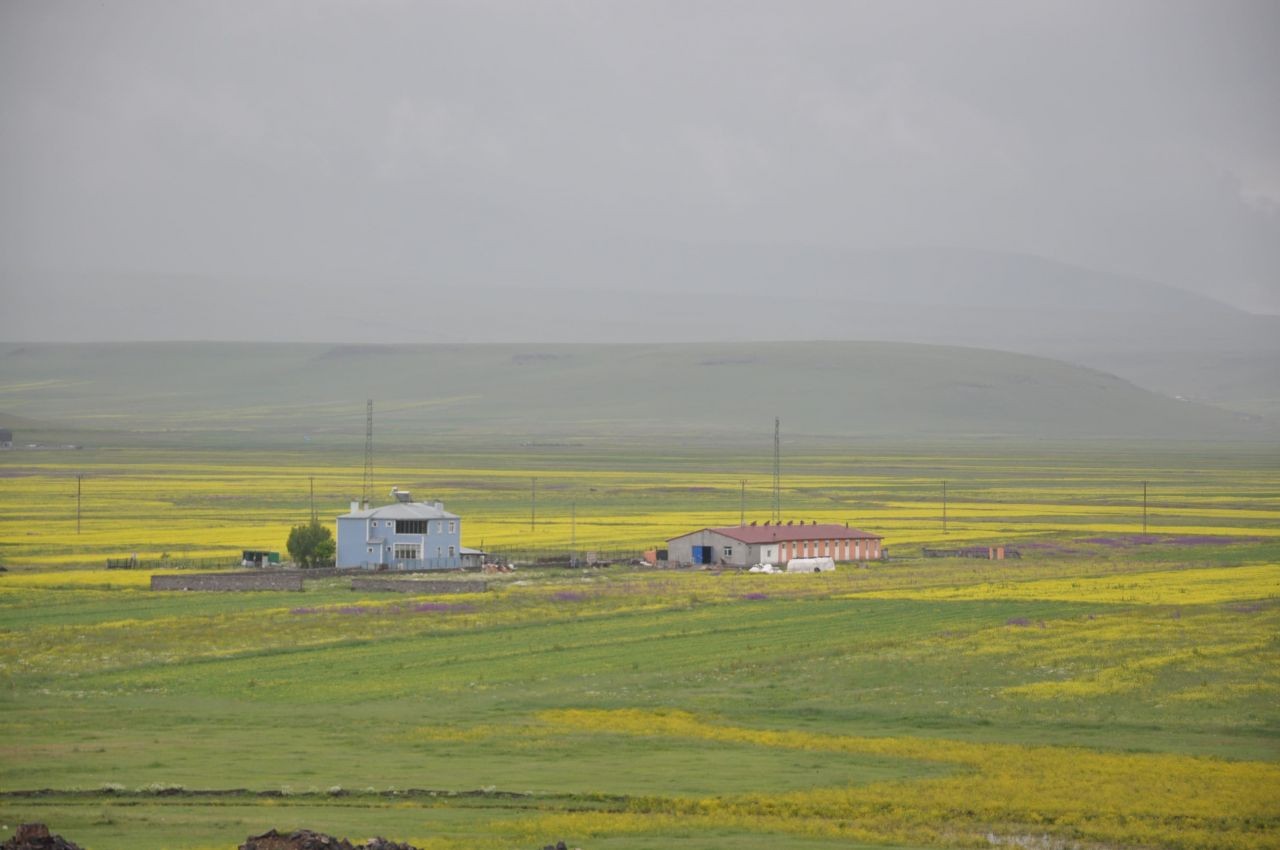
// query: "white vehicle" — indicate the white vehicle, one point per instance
point(811, 565)
point(762, 568)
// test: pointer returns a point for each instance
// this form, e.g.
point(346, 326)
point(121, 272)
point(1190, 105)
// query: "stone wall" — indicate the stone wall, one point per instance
point(259, 580)
point(405, 585)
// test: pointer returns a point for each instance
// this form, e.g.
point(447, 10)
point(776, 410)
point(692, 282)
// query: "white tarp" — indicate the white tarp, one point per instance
point(810, 565)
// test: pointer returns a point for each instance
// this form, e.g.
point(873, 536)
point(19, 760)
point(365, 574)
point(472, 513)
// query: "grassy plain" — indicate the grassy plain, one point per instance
point(1108, 689)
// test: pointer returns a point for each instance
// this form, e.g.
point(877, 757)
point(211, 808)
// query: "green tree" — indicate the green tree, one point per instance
point(311, 545)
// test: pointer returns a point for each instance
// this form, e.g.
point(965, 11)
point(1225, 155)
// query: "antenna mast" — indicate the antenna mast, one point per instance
point(367, 493)
point(777, 470)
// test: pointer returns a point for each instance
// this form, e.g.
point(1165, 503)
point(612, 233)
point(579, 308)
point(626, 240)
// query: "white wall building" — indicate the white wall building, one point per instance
point(744, 545)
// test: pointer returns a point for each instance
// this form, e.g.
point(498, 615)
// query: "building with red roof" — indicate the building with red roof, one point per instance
point(774, 543)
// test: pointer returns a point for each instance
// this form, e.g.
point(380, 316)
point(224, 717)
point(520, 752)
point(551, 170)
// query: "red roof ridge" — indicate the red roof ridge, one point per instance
point(770, 533)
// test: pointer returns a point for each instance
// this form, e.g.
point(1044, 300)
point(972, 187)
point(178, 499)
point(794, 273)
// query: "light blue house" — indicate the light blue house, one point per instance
point(407, 535)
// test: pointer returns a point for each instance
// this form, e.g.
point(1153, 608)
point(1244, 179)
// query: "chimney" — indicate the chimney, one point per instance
point(355, 506)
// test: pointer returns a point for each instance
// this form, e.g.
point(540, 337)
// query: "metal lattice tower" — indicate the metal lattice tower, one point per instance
point(367, 493)
point(777, 470)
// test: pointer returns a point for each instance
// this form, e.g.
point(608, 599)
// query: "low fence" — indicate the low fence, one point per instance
point(173, 563)
point(261, 580)
point(408, 585)
point(991, 553)
point(557, 557)
point(416, 565)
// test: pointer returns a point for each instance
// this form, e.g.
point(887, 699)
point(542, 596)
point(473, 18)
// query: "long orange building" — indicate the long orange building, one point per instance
point(774, 543)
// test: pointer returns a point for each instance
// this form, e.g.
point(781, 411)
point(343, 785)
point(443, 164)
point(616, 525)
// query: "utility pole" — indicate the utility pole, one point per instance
point(367, 493)
point(1144, 507)
point(533, 503)
point(777, 470)
point(944, 507)
point(312, 479)
point(742, 504)
point(79, 478)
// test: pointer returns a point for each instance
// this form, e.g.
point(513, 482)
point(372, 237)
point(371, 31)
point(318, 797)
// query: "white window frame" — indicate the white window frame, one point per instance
point(452, 525)
point(728, 551)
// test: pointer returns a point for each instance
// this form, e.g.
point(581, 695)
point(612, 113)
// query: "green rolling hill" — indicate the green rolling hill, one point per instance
point(870, 389)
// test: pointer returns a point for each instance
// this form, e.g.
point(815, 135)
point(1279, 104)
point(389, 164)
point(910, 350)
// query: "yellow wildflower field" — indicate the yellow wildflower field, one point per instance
point(1131, 799)
point(1161, 587)
point(214, 503)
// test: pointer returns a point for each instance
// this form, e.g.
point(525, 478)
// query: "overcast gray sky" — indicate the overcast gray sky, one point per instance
point(285, 142)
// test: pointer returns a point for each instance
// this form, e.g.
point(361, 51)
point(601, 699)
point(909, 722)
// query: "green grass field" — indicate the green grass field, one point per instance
point(1107, 689)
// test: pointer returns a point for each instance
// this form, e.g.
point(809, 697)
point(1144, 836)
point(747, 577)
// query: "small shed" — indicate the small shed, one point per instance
point(258, 558)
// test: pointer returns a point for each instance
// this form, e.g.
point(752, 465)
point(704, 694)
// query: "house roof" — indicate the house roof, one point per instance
point(783, 533)
point(402, 510)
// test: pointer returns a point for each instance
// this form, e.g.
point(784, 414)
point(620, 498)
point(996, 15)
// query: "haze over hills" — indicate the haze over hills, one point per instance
point(825, 388)
point(1163, 338)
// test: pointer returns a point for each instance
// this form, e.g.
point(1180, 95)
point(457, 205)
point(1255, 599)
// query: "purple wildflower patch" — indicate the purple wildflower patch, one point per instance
point(1126, 540)
point(1017, 621)
point(1209, 540)
point(754, 596)
point(437, 608)
point(1043, 546)
point(568, 596)
point(387, 610)
point(1123, 540)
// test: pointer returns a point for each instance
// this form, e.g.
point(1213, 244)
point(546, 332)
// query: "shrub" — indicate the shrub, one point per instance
point(311, 545)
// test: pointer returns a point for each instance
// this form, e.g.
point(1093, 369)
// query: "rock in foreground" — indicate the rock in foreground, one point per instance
point(35, 836)
point(305, 839)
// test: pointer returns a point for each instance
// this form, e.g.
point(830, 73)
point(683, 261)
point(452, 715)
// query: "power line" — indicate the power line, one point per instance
point(1144, 507)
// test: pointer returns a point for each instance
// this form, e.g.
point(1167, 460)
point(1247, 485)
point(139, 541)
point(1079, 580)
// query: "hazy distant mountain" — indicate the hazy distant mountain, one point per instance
point(819, 388)
point(1167, 339)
